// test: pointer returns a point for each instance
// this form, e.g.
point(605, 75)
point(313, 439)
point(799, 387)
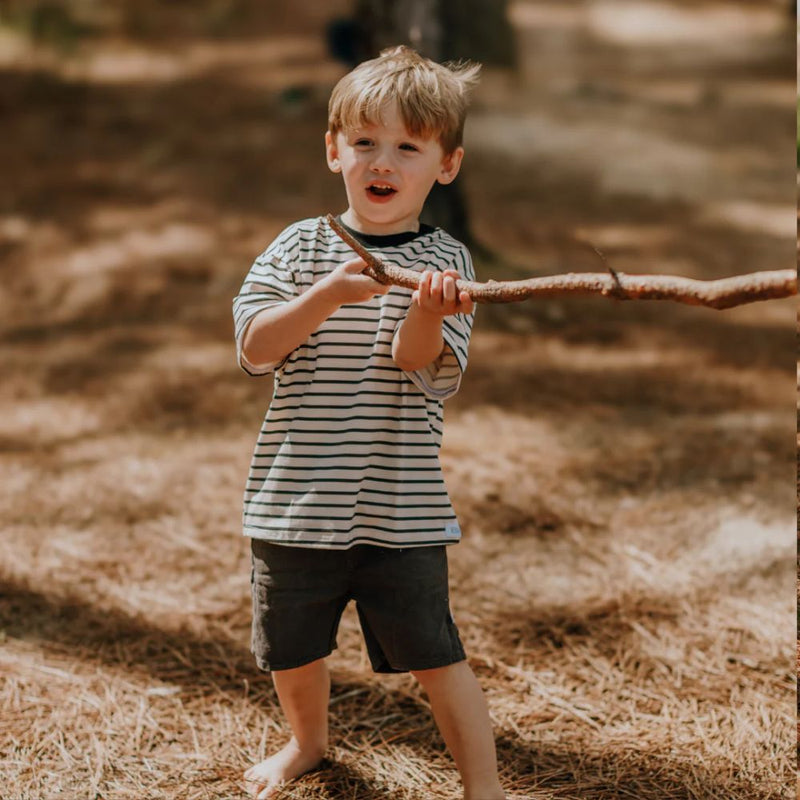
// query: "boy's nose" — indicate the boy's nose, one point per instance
point(381, 162)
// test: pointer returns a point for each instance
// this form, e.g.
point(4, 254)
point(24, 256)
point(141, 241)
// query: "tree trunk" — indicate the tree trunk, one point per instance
point(442, 30)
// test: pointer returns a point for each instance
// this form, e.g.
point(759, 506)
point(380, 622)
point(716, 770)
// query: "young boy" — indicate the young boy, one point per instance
point(345, 498)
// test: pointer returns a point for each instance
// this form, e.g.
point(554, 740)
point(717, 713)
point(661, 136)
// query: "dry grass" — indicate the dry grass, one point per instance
point(624, 473)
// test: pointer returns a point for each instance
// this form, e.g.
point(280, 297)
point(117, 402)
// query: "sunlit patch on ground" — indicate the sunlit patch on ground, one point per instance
point(623, 472)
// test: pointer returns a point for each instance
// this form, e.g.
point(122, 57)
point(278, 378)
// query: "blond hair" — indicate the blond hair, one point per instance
point(431, 98)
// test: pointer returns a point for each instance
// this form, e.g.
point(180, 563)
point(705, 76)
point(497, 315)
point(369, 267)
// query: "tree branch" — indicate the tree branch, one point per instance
point(719, 294)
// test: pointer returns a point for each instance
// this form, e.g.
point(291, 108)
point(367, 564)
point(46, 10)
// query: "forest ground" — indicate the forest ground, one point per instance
point(624, 472)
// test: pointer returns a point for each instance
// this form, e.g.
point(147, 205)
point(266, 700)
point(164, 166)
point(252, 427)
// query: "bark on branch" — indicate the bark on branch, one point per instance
point(719, 294)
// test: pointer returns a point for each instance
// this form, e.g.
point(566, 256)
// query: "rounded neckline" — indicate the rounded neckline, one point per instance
point(386, 239)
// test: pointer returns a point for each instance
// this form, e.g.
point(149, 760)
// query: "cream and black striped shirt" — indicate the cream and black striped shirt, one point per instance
point(349, 449)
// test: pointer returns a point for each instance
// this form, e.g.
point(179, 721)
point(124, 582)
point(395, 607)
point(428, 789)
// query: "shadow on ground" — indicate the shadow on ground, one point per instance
point(217, 664)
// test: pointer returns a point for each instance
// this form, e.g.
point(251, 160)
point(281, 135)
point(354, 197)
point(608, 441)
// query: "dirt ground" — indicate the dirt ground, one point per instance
point(624, 472)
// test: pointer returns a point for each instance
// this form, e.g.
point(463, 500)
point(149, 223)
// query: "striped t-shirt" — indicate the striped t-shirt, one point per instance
point(349, 449)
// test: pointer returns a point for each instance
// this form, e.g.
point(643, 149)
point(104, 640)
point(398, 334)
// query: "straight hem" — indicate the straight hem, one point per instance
point(256, 533)
point(448, 662)
point(262, 665)
point(445, 662)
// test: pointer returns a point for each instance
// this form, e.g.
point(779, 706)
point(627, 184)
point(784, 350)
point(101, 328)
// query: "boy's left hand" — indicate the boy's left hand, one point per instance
point(437, 294)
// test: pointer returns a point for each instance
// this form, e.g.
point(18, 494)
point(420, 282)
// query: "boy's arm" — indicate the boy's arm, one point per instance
point(274, 332)
point(419, 340)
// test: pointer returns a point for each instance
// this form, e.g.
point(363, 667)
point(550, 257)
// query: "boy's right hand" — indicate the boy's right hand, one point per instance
point(348, 284)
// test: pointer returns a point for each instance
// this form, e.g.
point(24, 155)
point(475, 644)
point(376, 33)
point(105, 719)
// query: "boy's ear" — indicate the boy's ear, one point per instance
point(451, 164)
point(332, 153)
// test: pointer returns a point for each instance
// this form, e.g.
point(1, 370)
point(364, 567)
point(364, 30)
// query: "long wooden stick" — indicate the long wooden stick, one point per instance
point(719, 294)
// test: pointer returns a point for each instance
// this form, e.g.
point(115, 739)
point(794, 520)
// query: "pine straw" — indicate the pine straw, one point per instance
point(619, 661)
point(599, 705)
point(625, 478)
point(625, 586)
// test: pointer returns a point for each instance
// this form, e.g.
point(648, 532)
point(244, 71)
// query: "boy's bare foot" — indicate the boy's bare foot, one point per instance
point(264, 779)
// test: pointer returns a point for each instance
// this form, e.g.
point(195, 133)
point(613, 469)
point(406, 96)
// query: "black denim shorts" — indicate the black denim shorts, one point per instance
point(401, 595)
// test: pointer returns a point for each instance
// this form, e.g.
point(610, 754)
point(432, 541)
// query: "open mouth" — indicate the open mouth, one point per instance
point(381, 189)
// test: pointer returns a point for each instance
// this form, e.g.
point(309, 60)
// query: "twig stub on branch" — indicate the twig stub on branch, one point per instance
point(719, 294)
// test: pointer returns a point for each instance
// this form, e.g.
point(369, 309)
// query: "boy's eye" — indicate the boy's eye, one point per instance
point(408, 146)
point(362, 143)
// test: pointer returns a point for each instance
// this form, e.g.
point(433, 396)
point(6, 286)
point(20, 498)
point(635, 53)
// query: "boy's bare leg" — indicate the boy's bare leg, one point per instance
point(304, 694)
point(462, 715)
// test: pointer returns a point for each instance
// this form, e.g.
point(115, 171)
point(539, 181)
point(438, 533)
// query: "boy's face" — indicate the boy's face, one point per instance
point(388, 173)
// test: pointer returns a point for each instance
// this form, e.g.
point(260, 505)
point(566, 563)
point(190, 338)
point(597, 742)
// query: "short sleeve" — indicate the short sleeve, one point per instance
point(270, 282)
point(442, 378)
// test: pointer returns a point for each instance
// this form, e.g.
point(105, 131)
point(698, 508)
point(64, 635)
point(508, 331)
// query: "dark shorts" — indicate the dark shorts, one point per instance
point(299, 594)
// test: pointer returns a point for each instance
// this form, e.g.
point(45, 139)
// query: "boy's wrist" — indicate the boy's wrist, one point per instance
point(329, 291)
point(420, 317)
point(419, 339)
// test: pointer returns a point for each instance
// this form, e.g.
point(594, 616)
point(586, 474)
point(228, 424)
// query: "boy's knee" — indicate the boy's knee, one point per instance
point(429, 677)
point(425, 676)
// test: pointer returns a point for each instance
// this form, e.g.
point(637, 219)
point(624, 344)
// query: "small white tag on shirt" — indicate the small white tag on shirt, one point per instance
point(452, 529)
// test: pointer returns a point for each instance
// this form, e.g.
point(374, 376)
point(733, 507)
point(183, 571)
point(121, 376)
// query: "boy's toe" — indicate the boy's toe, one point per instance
point(252, 785)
